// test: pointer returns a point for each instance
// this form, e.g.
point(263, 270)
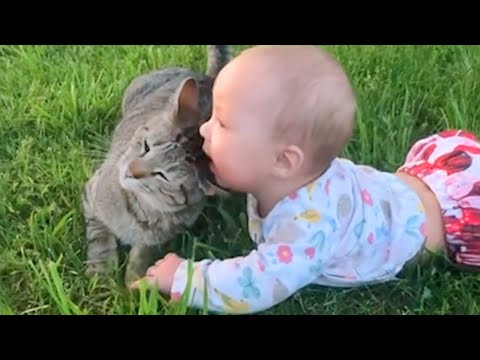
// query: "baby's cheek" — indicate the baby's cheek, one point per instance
point(236, 175)
point(226, 157)
point(224, 170)
point(234, 163)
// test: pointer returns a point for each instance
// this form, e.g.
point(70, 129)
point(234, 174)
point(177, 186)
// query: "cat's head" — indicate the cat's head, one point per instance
point(164, 158)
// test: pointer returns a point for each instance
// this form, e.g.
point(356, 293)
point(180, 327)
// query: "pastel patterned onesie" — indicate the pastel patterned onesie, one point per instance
point(352, 226)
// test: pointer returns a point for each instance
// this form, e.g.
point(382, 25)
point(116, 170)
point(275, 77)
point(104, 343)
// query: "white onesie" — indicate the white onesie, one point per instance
point(352, 226)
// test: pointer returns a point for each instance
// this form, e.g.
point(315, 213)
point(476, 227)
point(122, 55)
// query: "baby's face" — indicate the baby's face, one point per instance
point(238, 138)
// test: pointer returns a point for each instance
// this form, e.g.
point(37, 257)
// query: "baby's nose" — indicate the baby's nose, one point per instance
point(204, 129)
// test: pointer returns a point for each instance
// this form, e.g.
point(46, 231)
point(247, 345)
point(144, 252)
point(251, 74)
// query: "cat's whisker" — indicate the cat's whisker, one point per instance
point(147, 188)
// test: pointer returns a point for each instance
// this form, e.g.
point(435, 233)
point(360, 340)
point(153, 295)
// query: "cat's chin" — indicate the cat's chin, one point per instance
point(211, 189)
point(208, 182)
point(129, 184)
point(210, 186)
point(126, 182)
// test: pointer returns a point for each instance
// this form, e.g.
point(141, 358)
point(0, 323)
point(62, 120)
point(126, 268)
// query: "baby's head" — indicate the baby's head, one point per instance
point(279, 113)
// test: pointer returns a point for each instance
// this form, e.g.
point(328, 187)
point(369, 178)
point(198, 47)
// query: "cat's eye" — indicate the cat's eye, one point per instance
point(146, 147)
point(161, 174)
point(178, 138)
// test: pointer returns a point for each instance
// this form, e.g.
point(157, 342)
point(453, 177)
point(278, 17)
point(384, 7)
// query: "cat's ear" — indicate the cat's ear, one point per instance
point(186, 100)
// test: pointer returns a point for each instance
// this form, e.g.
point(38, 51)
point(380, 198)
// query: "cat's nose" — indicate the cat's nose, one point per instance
point(138, 169)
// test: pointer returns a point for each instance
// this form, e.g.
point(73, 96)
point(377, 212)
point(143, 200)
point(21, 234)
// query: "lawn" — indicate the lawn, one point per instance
point(59, 104)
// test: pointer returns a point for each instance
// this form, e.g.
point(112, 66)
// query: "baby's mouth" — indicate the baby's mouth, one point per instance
point(210, 170)
point(206, 168)
point(202, 163)
point(211, 165)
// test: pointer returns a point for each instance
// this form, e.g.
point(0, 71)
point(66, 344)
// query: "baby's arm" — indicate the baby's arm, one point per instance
point(253, 283)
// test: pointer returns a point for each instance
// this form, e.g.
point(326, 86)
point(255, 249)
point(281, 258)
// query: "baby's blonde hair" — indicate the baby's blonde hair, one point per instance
point(316, 106)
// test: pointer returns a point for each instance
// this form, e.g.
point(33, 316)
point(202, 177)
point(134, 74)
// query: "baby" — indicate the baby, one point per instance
point(282, 116)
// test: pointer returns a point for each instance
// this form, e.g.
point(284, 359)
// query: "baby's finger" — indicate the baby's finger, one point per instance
point(158, 262)
point(169, 255)
point(147, 280)
point(135, 285)
point(150, 274)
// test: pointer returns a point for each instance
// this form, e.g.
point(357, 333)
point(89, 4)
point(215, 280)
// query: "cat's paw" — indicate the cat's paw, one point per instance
point(94, 270)
point(100, 267)
point(131, 276)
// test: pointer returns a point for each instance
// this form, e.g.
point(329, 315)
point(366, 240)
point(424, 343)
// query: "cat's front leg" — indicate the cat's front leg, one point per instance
point(140, 258)
point(101, 248)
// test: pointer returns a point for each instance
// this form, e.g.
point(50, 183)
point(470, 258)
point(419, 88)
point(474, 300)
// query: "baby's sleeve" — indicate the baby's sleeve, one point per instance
point(256, 282)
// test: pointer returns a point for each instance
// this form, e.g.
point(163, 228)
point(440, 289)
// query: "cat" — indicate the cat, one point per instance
point(154, 179)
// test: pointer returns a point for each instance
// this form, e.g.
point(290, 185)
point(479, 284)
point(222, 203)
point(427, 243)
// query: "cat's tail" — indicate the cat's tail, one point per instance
point(217, 57)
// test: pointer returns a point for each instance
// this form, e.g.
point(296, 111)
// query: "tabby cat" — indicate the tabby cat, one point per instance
point(154, 179)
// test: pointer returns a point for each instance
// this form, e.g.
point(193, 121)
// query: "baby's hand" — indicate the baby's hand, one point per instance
point(161, 274)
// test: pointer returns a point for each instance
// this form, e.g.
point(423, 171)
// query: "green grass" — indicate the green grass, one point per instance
point(59, 104)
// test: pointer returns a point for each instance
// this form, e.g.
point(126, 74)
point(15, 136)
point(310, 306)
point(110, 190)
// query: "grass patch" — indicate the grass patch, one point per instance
point(59, 104)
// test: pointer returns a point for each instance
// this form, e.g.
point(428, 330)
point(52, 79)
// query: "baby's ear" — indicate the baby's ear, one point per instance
point(288, 162)
point(185, 101)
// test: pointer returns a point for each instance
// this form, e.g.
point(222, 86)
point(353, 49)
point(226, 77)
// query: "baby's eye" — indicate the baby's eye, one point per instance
point(221, 124)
